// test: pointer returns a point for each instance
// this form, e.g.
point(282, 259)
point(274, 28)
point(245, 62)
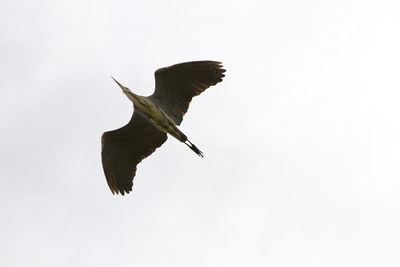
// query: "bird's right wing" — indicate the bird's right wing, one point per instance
point(124, 148)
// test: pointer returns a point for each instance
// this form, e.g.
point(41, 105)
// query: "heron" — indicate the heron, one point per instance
point(153, 118)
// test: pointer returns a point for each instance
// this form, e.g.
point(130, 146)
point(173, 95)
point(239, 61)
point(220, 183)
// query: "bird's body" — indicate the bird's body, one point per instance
point(154, 117)
point(153, 114)
point(159, 119)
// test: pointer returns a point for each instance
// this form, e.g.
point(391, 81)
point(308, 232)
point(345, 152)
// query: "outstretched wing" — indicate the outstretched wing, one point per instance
point(178, 84)
point(124, 148)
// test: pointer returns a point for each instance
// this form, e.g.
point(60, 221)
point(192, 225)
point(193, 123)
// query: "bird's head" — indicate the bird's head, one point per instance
point(126, 91)
point(137, 100)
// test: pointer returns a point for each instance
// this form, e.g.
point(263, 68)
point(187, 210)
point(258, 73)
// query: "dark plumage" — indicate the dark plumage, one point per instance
point(153, 118)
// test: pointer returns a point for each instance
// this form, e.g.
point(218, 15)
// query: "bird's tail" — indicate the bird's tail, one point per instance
point(194, 148)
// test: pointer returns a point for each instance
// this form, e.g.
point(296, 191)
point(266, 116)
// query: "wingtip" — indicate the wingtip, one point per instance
point(121, 192)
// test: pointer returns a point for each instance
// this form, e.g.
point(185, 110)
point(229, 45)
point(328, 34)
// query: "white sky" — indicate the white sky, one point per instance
point(301, 140)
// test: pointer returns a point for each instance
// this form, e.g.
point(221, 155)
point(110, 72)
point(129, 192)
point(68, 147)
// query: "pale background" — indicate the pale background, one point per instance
point(301, 140)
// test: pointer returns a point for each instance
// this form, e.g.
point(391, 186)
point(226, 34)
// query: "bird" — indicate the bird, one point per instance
point(154, 117)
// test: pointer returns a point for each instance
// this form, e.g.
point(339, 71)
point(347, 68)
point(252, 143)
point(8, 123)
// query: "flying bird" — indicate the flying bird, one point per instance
point(153, 118)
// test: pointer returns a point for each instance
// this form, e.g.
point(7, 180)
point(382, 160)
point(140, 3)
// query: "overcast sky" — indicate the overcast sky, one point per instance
point(301, 139)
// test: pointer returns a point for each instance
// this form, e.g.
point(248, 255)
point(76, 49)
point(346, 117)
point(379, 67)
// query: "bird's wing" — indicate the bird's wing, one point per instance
point(178, 84)
point(124, 148)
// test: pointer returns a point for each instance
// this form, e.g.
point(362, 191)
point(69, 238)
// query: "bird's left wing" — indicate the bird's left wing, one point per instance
point(178, 84)
point(124, 148)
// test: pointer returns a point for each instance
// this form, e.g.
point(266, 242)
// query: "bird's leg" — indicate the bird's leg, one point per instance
point(194, 148)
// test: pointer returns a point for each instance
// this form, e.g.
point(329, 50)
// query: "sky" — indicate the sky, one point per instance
point(301, 139)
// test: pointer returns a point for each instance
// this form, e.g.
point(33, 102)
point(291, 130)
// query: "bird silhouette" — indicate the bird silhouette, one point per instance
point(153, 118)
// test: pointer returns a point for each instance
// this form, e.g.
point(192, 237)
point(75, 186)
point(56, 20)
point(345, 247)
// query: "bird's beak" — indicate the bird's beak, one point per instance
point(125, 89)
point(120, 85)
